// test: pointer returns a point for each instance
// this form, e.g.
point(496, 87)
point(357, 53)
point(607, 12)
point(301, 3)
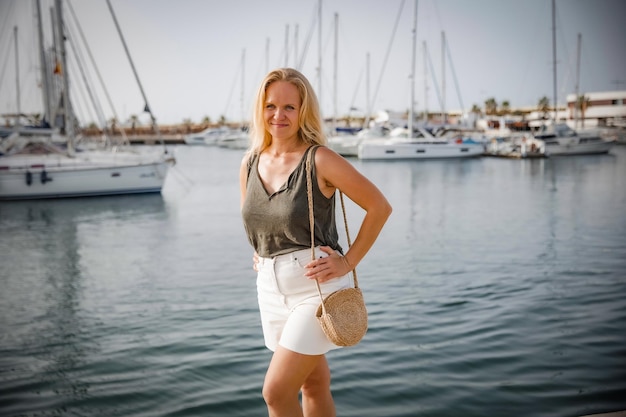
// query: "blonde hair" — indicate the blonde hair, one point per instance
point(310, 130)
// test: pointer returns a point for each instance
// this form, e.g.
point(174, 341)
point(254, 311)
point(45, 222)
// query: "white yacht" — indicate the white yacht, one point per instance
point(560, 139)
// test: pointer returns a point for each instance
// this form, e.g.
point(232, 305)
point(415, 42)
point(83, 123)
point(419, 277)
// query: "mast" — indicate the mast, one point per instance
point(44, 67)
point(368, 103)
point(411, 107)
point(443, 77)
point(319, 53)
point(295, 45)
point(17, 80)
point(68, 120)
point(335, 73)
point(576, 103)
point(554, 119)
point(286, 45)
point(267, 55)
point(425, 83)
point(243, 78)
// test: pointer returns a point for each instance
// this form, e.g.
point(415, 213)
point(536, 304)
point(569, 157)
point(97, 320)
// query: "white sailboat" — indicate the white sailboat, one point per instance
point(419, 145)
point(559, 138)
point(416, 143)
point(33, 165)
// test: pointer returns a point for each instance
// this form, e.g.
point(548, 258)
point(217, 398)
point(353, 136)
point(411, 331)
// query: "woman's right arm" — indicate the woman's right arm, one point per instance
point(243, 178)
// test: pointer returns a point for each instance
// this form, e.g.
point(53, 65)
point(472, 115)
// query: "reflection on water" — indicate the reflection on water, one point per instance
point(43, 292)
point(495, 287)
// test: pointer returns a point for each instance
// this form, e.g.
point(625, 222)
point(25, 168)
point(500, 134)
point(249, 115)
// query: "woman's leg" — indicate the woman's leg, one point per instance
point(317, 400)
point(287, 374)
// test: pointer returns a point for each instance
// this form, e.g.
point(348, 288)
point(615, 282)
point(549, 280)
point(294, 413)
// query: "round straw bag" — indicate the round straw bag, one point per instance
point(342, 314)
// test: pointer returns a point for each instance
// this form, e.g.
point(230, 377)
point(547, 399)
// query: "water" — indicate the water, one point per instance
point(496, 288)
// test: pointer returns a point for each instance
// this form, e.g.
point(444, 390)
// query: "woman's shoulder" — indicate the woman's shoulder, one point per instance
point(323, 154)
point(248, 160)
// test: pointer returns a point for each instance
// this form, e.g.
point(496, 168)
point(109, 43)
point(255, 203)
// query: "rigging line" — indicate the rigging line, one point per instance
point(6, 44)
point(356, 89)
point(232, 89)
point(432, 73)
point(147, 108)
point(438, 14)
point(307, 42)
point(95, 67)
point(522, 88)
point(78, 106)
point(382, 71)
point(80, 63)
point(456, 82)
point(4, 67)
point(567, 68)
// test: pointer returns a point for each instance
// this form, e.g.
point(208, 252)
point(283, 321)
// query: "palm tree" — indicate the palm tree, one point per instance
point(187, 123)
point(477, 112)
point(206, 121)
point(582, 102)
point(491, 106)
point(544, 106)
point(505, 107)
point(222, 120)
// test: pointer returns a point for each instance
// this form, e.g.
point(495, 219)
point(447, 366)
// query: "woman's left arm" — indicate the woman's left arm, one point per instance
point(335, 172)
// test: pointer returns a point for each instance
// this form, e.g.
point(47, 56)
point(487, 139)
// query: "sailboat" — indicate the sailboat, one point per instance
point(40, 163)
point(559, 138)
point(417, 143)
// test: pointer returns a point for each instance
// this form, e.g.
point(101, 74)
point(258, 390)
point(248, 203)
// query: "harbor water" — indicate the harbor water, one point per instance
point(497, 288)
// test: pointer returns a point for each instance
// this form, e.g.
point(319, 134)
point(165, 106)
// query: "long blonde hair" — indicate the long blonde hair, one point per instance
point(310, 130)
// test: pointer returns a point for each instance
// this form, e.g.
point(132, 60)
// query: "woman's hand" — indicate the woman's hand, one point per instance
point(332, 266)
point(255, 261)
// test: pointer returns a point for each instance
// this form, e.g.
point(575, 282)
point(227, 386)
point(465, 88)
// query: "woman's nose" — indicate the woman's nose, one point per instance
point(278, 114)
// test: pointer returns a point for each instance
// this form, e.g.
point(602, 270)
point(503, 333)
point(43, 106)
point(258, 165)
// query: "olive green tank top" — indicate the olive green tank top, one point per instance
point(278, 223)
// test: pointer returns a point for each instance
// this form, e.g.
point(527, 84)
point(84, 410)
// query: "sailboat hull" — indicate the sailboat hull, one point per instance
point(575, 147)
point(55, 176)
point(393, 149)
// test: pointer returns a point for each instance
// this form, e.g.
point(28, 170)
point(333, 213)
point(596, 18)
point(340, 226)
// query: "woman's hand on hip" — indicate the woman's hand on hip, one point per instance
point(327, 268)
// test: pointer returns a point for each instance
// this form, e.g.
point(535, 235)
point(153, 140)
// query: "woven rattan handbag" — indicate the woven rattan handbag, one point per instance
point(342, 314)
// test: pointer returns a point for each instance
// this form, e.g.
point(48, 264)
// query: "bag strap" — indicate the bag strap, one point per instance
point(309, 193)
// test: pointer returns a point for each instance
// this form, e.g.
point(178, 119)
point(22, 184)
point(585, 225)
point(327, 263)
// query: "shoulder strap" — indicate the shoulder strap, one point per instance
point(309, 192)
point(251, 158)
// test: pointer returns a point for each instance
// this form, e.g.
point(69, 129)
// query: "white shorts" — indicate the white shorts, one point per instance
point(288, 301)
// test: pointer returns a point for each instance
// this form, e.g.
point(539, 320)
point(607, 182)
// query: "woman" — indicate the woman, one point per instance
point(286, 123)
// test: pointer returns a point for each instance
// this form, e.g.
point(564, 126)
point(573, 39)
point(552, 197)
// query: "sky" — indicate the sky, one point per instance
point(198, 59)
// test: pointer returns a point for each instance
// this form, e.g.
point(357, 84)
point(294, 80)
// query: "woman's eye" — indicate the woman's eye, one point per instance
point(269, 106)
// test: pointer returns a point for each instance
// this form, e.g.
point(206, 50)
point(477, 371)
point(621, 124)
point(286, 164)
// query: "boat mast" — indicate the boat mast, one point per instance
point(243, 80)
point(443, 78)
point(132, 65)
point(425, 83)
point(286, 45)
point(335, 74)
point(576, 99)
point(319, 53)
point(295, 46)
point(44, 67)
point(17, 81)
point(412, 104)
point(554, 59)
point(68, 120)
point(368, 103)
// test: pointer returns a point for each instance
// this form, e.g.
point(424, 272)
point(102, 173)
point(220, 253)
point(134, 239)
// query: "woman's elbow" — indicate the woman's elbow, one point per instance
point(384, 208)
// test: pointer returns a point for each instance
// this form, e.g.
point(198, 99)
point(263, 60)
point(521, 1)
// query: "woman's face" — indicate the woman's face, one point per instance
point(281, 110)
